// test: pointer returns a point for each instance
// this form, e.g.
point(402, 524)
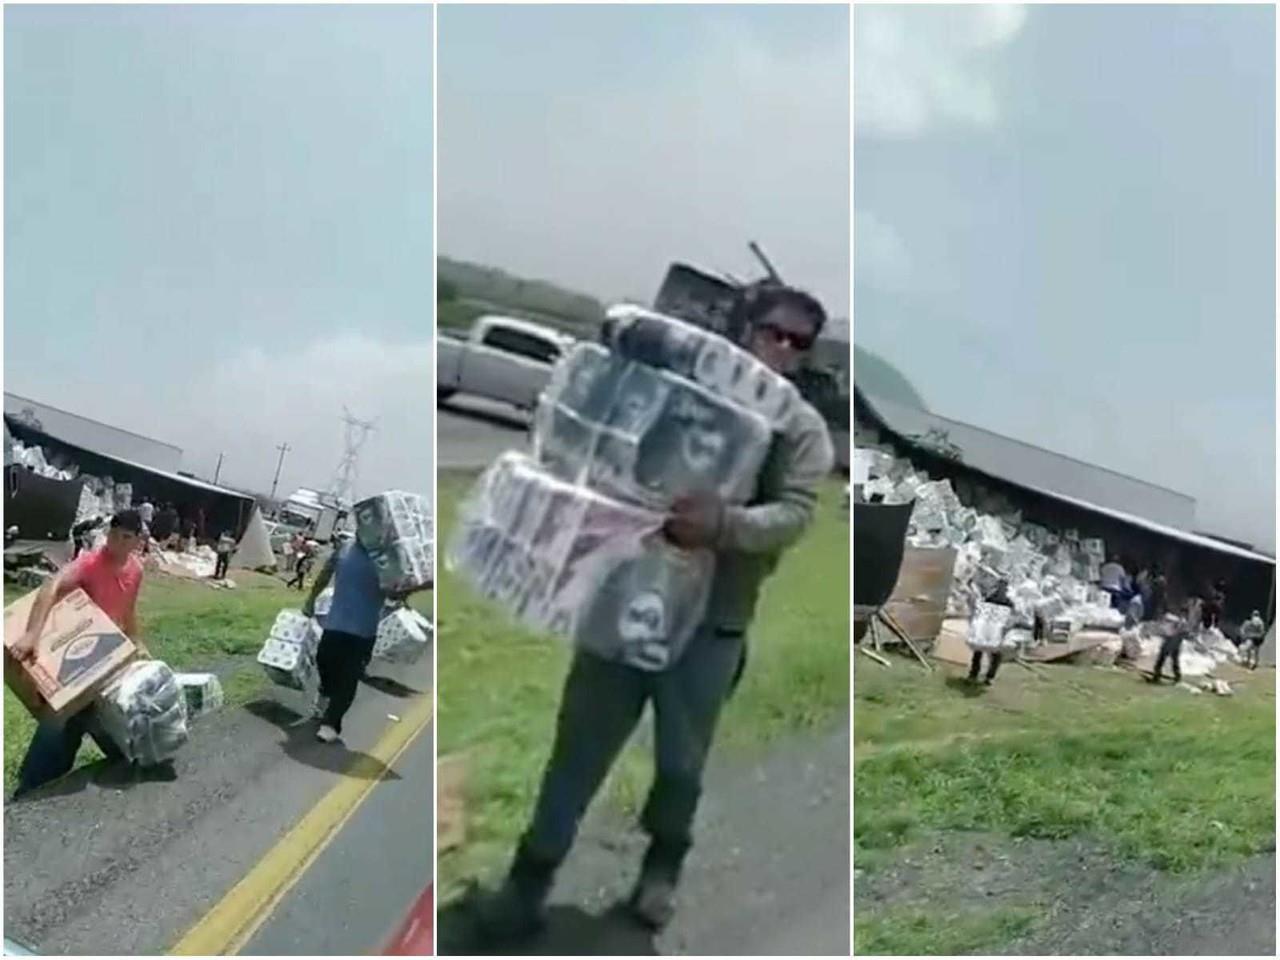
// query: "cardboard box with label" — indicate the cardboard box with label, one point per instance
point(80, 651)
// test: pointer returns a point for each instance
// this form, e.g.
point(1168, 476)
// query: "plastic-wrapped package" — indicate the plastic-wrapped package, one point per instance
point(289, 654)
point(568, 560)
point(202, 693)
point(404, 635)
point(323, 603)
point(987, 627)
point(144, 712)
point(396, 530)
point(703, 356)
point(644, 435)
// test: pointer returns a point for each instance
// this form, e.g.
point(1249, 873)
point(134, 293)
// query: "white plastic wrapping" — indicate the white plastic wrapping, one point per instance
point(144, 712)
point(567, 560)
point(404, 635)
point(702, 356)
point(644, 435)
point(202, 693)
point(396, 530)
point(987, 628)
point(289, 654)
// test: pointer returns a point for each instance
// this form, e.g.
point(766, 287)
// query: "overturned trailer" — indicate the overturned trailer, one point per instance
point(45, 507)
point(1142, 523)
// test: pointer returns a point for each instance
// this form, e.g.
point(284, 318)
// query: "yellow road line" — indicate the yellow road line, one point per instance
point(226, 928)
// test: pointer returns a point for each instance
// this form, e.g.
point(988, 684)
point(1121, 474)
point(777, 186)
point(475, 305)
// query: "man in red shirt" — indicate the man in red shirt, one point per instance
point(111, 576)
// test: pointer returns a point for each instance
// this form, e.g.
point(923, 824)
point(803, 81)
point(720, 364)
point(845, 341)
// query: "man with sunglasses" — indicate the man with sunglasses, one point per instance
point(602, 700)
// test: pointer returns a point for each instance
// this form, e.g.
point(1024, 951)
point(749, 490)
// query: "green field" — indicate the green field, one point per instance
point(1155, 775)
point(499, 685)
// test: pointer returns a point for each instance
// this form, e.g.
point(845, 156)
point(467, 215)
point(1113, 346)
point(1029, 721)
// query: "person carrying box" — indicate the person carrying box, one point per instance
point(111, 576)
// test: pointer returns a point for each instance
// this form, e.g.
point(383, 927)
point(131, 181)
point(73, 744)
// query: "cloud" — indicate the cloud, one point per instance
point(880, 256)
point(245, 405)
point(919, 67)
point(747, 140)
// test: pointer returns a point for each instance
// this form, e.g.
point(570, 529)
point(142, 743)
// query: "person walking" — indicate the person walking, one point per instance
point(1253, 634)
point(111, 576)
point(226, 546)
point(303, 559)
point(602, 700)
point(350, 629)
point(1175, 630)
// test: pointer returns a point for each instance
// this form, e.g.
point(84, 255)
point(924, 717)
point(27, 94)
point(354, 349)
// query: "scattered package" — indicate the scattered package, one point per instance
point(289, 655)
point(644, 435)
point(403, 636)
point(563, 558)
point(144, 711)
point(80, 651)
point(202, 693)
point(396, 529)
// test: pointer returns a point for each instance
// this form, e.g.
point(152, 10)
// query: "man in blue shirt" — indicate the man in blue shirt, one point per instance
point(350, 629)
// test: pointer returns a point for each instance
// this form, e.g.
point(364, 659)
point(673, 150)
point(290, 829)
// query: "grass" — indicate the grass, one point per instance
point(1076, 750)
point(191, 627)
point(499, 685)
point(914, 932)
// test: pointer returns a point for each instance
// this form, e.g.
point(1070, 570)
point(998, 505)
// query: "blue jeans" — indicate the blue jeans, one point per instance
point(54, 746)
point(599, 709)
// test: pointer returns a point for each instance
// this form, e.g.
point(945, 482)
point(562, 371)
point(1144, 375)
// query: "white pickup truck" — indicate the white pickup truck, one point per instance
point(501, 359)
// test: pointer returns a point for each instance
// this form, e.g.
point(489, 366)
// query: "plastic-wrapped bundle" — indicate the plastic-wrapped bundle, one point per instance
point(145, 712)
point(403, 636)
point(323, 603)
point(395, 528)
point(702, 356)
point(289, 655)
point(644, 435)
point(568, 560)
point(987, 627)
point(201, 692)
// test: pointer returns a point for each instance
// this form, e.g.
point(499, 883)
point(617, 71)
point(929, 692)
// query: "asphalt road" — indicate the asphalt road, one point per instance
point(470, 432)
point(769, 874)
point(106, 863)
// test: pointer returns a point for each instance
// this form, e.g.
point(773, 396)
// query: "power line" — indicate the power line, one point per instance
point(345, 477)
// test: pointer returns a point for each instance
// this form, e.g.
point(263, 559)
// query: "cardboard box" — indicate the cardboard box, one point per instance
point(919, 599)
point(81, 650)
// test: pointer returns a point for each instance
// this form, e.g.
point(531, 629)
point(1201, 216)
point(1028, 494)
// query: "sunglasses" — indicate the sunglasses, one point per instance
point(788, 338)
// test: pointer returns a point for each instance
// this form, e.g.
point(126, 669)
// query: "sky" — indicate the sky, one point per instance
point(593, 146)
point(218, 230)
point(1065, 232)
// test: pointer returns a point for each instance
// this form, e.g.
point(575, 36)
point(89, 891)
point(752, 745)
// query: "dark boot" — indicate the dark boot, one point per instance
point(516, 911)
point(653, 901)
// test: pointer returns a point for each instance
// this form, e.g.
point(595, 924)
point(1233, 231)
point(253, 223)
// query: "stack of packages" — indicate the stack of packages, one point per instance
point(1048, 573)
point(395, 529)
point(144, 711)
point(289, 655)
point(570, 541)
point(403, 636)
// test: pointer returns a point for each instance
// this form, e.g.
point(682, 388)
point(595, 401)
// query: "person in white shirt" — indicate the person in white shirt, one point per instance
point(1253, 634)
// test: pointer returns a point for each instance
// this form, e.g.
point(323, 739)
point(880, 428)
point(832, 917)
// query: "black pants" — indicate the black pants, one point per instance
point(1169, 649)
point(341, 660)
point(300, 573)
point(220, 571)
point(600, 707)
point(975, 665)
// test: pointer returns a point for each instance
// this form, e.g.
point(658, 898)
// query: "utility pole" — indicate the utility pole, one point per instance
point(217, 471)
point(283, 448)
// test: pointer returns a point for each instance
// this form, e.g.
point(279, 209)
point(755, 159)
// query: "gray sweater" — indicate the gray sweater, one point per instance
point(753, 537)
